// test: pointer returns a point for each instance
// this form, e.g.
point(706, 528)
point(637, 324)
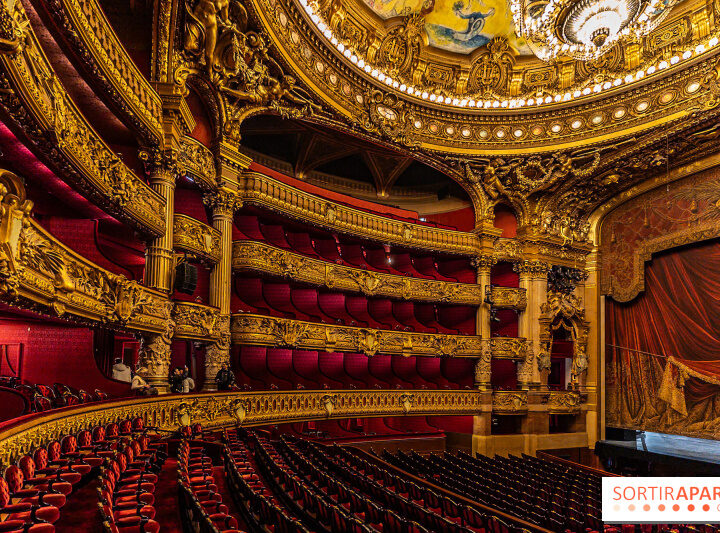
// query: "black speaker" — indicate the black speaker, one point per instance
point(186, 278)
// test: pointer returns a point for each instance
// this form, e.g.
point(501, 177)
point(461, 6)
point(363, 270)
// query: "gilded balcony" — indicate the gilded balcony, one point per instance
point(506, 297)
point(565, 402)
point(260, 330)
point(513, 348)
point(192, 236)
point(198, 162)
point(196, 321)
point(510, 402)
point(84, 24)
point(264, 191)
point(260, 257)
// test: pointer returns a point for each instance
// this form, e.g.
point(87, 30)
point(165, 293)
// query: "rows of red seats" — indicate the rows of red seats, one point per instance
point(36, 487)
point(203, 506)
point(127, 484)
point(345, 250)
point(287, 299)
point(377, 486)
point(41, 397)
point(262, 368)
point(260, 503)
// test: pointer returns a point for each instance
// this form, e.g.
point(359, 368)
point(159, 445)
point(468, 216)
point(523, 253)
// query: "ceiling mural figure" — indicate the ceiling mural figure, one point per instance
point(460, 26)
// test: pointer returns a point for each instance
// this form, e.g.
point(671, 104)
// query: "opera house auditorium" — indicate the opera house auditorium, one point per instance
point(357, 266)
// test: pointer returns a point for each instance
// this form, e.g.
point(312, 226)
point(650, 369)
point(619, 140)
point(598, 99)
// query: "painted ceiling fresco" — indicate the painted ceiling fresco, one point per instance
point(460, 26)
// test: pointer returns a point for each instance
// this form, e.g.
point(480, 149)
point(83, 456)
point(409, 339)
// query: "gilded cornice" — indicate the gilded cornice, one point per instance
point(258, 189)
point(506, 297)
point(191, 235)
point(196, 321)
point(260, 257)
point(168, 413)
point(39, 272)
point(510, 402)
point(666, 95)
point(84, 25)
point(34, 101)
point(259, 330)
point(198, 162)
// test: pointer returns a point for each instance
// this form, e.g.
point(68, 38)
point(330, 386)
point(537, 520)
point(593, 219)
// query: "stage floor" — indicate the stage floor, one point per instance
point(704, 450)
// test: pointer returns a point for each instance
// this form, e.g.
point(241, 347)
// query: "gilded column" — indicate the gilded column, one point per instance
point(533, 278)
point(154, 355)
point(483, 265)
point(159, 261)
point(595, 377)
point(224, 203)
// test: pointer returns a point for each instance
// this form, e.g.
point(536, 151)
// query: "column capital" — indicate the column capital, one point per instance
point(483, 263)
point(532, 268)
point(161, 165)
point(223, 202)
point(154, 356)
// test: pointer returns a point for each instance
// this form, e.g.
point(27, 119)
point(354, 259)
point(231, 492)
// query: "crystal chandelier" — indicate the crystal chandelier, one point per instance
point(584, 29)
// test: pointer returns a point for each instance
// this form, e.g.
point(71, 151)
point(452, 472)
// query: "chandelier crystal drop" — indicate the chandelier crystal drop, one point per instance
point(584, 29)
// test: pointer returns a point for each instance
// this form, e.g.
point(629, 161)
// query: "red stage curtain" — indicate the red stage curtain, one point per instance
point(677, 315)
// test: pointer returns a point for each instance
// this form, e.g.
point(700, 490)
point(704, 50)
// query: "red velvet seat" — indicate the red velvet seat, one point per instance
point(47, 483)
point(16, 483)
point(25, 511)
point(129, 524)
point(18, 526)
point(43, 467)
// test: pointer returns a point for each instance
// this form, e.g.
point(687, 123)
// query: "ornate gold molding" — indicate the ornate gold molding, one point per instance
point(268, 331)
point(37, 269)
point(506, 297)
point(83, 24)
point(260, 257)
point(565, 402)
point(36, 102)
point(168, 413)
point(615, 112)
point(264, 191)
point(508, 249)
point(197, 161)
point(510, 402)
point(514, 348)
point(190, 235)
point(196, 321)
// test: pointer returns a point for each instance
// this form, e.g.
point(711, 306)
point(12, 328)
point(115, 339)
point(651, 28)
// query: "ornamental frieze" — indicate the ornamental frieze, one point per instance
point(510, 402)
point(168, 413)
point(259, 330)
point(36, 269)
point(39, 106)
point(258, 189)
point(514, 348)
point(191, 235)
point(506, 297)
point(195, 321)
point(263, 258)
point(85, 26)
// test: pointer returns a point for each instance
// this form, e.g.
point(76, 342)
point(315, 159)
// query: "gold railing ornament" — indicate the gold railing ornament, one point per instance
point(514, 348)
point(195, 321)
point(565, 402)
point(258, 189)
point(220, 409)
point(260, 257)
point(510, 402)
point(257, 330)
point(506, 297)
point(191, 235)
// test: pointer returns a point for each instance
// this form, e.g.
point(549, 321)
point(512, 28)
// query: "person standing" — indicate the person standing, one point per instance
point(225, 378)
point(121, 371)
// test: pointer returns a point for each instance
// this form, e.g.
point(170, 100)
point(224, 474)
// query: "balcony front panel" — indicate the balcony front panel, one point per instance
point(513, 348)
point(259, 330)
point(192, 236)
point(259, 257)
